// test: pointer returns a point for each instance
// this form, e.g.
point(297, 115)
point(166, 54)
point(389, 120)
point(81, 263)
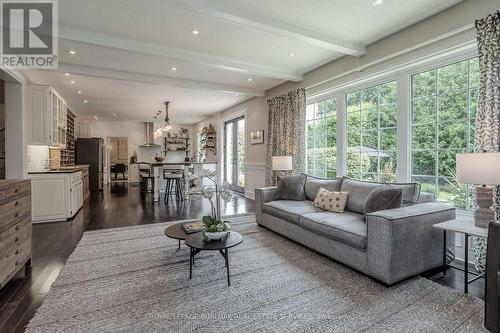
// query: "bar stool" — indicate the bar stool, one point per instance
point(146, 178)
point(174, 178)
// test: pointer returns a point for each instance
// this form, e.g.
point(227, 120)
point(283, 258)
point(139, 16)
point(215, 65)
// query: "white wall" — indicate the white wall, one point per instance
point(255, 112)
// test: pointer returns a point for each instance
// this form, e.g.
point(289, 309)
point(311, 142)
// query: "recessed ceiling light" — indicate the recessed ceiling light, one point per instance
point(85, 101)
point(67, 74)
point(72, 82)
point(114, 115)
point(79, 92)
point(174, 68)
point(71, 52)
point(291, 54)
point(195, 32)
point(249, 79)
point(377, 2)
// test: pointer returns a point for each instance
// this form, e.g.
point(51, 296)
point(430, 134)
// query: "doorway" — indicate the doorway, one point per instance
point(118, 159)
point(234, 153)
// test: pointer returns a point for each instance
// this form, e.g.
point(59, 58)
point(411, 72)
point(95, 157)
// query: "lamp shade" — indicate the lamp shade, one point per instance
point(282, 163)
point(478, 168)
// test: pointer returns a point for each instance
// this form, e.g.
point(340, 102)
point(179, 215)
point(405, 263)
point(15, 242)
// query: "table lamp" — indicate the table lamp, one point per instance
point(480, 169)
point(282, 164)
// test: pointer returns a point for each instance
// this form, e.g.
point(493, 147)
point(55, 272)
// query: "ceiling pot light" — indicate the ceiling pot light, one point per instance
point(195, 32)
point(249, 79)
point(85, 101)
point(79, 92)
point(72, 82)
point(291, 54)
point(114, 115)
point(67, 74)
point(174, 68)
point(71, 52)
point(377, 2)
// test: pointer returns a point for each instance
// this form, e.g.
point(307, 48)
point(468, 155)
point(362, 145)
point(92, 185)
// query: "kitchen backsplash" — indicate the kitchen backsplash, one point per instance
point(37, 157)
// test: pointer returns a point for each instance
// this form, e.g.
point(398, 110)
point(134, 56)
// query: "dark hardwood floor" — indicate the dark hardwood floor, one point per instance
point(119, 205)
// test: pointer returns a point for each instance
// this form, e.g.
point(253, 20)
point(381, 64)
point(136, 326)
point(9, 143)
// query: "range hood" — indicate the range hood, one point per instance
point(149, 136)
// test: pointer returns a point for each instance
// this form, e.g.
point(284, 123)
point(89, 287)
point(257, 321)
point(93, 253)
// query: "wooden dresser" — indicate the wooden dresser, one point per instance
point(15, 227)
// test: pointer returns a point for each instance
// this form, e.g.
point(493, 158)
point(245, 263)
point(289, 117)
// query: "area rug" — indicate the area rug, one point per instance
point(133, 280)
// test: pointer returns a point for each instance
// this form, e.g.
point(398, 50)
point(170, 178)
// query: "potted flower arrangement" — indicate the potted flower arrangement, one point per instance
point(215, 228)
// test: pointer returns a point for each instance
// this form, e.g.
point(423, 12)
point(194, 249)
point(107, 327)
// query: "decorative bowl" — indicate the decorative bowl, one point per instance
point(159, 158)
point(217, 235)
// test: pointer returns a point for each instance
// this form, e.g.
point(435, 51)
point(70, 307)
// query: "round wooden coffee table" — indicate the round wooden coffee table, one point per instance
point(176, 232)
point(197, 244)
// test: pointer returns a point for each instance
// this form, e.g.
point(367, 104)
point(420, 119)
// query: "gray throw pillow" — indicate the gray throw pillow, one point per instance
point(314, 184)
point(291, 188)
point(382, 198)
point(358, 192)
point(411, 192)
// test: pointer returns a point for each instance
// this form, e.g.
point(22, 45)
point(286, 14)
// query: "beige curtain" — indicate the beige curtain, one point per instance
point(488, 108)
point(286, 131)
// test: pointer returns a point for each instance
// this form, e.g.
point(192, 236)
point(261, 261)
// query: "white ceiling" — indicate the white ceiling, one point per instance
point(125, 49)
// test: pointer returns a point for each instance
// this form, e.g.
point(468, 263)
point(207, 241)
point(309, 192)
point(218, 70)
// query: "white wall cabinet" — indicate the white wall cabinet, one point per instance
point(47, 116)
point(65, 199)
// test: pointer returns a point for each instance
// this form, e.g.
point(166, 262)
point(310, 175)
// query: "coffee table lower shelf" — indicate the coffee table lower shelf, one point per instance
point(197, 245)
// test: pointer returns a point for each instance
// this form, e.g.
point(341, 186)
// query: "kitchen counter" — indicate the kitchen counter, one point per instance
point(69, 169)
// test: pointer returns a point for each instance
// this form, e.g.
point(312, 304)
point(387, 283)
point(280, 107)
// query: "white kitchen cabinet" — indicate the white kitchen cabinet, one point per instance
point(55, 196)
point(133, 173)
point(47, 118)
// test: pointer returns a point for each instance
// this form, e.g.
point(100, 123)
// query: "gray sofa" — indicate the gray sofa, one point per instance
point(388, 245)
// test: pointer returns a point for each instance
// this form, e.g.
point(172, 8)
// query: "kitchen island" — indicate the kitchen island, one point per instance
point(66, 186)
point(159, 183)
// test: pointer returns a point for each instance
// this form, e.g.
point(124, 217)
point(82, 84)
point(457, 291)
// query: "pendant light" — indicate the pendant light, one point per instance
point(167, 127)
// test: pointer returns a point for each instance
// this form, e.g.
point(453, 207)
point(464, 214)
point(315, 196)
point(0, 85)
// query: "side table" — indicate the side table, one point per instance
point(467, 228)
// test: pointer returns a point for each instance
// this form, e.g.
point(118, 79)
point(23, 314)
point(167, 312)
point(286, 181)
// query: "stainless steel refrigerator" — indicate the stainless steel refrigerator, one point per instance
point(91, 151)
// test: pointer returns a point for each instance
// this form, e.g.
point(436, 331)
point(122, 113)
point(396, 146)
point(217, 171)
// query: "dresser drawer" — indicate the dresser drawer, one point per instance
point(14, 212)
point(13, 237)
point(14, 191)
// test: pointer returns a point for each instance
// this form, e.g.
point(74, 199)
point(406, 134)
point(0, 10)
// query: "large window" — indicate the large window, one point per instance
point(321, 128)
point(372, 133)
point(444, 104)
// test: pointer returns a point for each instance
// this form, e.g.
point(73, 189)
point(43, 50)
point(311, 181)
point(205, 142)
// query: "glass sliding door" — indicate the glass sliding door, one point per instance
point(234, 154)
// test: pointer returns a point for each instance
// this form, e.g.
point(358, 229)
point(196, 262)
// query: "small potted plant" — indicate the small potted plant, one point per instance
point(215, 228)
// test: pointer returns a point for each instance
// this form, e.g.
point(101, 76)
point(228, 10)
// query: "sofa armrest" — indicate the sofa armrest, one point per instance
point(402, 242)
point(263, 195)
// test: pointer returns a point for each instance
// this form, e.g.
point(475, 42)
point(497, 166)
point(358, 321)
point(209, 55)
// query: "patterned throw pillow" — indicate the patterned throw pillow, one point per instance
point(331, 201)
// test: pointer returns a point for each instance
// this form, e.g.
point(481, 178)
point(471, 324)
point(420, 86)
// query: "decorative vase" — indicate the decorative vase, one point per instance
point(211, 236)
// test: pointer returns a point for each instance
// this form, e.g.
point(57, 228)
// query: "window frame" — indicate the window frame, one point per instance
point(401, 71)
point(437, 149)
point(334, 115)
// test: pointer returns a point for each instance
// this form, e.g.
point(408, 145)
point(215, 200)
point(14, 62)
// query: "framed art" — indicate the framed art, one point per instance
point(257, 137)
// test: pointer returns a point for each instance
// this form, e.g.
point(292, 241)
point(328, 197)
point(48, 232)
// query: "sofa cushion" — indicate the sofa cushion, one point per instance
point(291, 188)
point(314, 184)
point(331, 201)
point(289, 210)
point(381, 198)
point(411, 192)
point(358, 191)
point(348, 228)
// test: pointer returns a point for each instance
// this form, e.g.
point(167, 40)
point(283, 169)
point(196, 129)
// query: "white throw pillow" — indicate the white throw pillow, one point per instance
point(331, 201)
